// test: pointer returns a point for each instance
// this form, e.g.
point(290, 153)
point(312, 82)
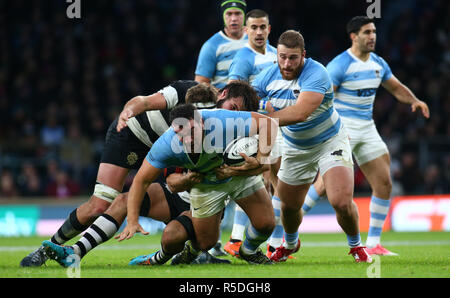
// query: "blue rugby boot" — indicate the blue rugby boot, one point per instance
point(143, 260)
point(64, 255)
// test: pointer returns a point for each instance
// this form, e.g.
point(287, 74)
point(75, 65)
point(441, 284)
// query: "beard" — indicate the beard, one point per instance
point(366, 47)
point(293, 72)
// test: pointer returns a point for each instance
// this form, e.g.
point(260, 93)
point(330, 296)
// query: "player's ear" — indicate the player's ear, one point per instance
point(224, 93)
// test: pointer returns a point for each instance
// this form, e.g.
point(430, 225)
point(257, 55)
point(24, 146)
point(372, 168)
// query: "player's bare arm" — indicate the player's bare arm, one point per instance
point(178, 182)
point(267, 129)
point(307, 103)
point(226, 171)
point(138, 105)
point(144, 177)
point(405, 95)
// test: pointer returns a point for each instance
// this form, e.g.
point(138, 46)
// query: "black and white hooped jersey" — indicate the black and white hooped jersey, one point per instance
point(148, 126)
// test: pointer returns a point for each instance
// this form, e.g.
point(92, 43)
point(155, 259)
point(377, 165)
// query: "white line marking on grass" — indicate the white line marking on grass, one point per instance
point(386, 243)
point(104, 247)
point(304, 244)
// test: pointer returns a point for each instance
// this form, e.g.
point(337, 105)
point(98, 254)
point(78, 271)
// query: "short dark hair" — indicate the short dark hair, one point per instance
point(355, 24)
point(244, 90)
point(185, 111)
point(201, 93)
point(292, 39)
point(257, 13)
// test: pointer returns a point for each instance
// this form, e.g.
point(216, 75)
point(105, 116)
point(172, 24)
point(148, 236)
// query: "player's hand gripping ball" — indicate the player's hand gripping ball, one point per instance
point(247, 145)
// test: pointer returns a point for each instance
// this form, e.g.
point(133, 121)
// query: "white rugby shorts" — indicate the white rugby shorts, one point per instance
point(209, 199)
point(365, 140)
point(300, 167)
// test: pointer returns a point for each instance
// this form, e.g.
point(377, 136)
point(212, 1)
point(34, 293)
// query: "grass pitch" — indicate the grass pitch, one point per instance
point(421, 255)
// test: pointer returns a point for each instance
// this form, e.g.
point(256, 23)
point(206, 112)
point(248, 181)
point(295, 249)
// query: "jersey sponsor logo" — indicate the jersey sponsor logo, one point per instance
point(367, 92)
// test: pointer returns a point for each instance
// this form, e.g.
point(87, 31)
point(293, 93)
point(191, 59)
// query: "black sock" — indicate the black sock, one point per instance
point(69, 229)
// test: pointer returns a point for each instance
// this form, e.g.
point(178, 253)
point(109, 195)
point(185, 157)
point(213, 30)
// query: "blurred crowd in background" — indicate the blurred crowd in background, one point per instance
point(63, 81)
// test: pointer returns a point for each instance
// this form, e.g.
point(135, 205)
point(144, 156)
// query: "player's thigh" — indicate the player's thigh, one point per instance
point(339, 184)
point(336, 168)
point(297, 171)
point(367, 144)
point(122, 152)
point(377, 173)
point(292, 196)
point(112, 175)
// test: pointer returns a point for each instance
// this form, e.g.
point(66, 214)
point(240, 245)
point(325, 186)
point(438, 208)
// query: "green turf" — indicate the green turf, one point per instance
point(421, 255)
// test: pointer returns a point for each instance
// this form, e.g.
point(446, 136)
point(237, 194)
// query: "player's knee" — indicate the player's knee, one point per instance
point(343, 206)
point(265, 226)
point(290, 207)
point(119, 203)
point(101, 199)
point(173, 238)
point(177, 232)
point(97, 207)
point(383, 187)
point(267, 229)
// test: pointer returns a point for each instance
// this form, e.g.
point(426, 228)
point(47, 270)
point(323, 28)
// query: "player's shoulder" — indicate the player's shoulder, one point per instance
point(166, 138)
point(220, 114)
point(313, 67)
point(342, 60)
point(314, 72)
point(211, 113)
point(163, 146)
point(266, 76)
point(270, 71)
point(377, 58)
point(314, 64)
point(244, 53)
point(216, 40)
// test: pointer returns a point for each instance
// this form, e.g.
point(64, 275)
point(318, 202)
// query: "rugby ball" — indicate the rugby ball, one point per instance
point(247, 145)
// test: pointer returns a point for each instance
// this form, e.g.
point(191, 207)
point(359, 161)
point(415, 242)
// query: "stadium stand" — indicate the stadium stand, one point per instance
point(62, 81)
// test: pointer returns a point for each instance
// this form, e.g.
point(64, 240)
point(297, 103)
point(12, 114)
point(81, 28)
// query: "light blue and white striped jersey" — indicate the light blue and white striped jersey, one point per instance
point(216, 56)
point(220, 128)
point(357, 83)
point(248, 63)
point(323, 123)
